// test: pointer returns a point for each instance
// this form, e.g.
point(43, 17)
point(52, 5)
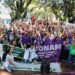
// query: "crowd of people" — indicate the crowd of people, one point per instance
point(26, 35)
point(22, 33)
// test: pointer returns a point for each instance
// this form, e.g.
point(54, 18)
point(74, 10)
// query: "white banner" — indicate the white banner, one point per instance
point(54, 67)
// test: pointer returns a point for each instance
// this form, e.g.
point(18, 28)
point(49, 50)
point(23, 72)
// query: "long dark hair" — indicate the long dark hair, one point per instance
point(45, 67)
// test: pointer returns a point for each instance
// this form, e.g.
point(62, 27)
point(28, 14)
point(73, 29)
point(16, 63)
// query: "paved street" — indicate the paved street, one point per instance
point(66, 71)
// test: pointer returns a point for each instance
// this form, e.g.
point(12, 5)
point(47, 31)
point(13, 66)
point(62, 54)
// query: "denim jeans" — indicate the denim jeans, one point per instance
point(11, 67)
point(71, 59)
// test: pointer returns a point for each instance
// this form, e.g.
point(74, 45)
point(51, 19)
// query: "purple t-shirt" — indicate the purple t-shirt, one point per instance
point(25, 39)
point(37, 41)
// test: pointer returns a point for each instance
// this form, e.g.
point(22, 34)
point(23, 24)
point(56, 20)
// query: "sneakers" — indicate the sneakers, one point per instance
point(8, 70)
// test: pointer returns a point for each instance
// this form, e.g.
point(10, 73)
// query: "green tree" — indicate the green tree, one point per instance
point(68, 7)
point(19, 7)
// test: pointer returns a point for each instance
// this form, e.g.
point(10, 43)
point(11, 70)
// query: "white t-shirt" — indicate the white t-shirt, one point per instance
point(9, 58)
point(11, 37)
point(33, 54)
point(26, 54)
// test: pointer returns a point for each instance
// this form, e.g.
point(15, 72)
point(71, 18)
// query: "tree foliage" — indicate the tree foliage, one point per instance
point(61, 8)
point(18, 7)
point(66, 6)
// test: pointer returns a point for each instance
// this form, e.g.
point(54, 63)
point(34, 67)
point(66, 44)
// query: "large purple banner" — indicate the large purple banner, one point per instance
point(51, 51)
